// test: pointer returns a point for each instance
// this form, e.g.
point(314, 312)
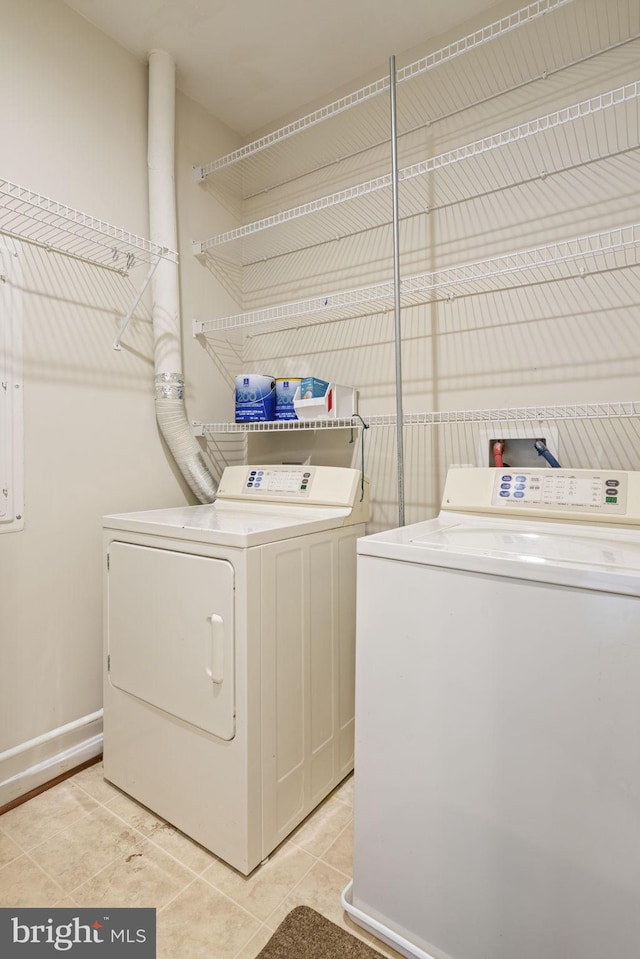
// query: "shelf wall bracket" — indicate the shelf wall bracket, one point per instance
point(134, 305)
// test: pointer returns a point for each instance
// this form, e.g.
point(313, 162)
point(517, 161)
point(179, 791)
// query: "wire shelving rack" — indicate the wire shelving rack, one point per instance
point(35, 219)
point(612, 119)
point(573, 257)
point(626, 409)
point(547, 36)
point(303, 186)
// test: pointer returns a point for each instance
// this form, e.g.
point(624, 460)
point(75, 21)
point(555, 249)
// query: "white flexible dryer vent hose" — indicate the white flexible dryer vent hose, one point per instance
point(169, 382)
point(174, 427)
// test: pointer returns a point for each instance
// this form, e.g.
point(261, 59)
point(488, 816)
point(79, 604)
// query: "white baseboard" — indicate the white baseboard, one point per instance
point(34, 763)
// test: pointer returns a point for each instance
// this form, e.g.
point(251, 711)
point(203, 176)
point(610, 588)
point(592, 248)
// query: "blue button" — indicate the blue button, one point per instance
point(518, 495)
point(252, 473)
point(506, 477)
point(504, 492)
point(520, 486)
point(505, 485)
point(521, 479)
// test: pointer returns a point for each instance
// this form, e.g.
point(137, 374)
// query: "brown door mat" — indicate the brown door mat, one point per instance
point(305, 934)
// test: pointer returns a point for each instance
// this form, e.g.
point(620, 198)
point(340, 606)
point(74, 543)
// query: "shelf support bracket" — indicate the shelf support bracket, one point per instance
point(127, 319)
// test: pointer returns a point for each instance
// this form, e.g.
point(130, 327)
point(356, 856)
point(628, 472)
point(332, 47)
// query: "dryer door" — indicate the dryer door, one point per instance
point(170, 628)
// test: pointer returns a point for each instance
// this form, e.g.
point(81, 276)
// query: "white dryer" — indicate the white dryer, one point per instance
point(497, 790)
point(229, 644)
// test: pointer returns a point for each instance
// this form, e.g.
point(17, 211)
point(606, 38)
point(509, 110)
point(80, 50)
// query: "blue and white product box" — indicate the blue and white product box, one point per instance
point(312, 388)
point(255, 398)
point(285, 392)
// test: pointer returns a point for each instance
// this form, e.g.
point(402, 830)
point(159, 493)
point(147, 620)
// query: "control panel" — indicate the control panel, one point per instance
point(330, 486)
point(289, 481)
point(593, 496)
point(560, 489)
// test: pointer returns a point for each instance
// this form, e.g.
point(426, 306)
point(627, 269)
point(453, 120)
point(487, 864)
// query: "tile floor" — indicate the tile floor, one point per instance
point(85, 843)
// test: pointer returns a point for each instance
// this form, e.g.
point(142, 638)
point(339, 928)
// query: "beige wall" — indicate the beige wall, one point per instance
point(73, 119)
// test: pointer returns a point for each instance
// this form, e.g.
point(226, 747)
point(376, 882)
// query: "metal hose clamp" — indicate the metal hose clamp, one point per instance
point(169, 386)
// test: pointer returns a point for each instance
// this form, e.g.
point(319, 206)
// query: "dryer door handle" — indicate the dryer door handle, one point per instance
point(215, 652)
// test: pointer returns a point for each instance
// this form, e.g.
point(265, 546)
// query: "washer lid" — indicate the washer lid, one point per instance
point(221, 524)
point(574, 555)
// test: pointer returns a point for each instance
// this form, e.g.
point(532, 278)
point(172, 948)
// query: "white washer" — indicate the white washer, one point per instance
point(497, 790)
point(229, 644)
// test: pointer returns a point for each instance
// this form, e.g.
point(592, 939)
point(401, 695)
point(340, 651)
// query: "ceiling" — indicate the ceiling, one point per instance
point(251, 62)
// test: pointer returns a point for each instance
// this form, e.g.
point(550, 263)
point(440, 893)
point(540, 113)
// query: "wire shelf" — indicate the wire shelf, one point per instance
point(275, 426)
point(580, 411)
point(575, 257)
point(366, 205)
point(33, 218)
point(542, 38)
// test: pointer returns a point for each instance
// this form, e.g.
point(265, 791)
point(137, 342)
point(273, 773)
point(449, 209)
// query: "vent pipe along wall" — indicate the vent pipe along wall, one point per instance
point(169, 378)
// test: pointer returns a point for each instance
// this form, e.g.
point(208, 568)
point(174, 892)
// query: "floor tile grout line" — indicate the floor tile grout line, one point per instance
point(290, 893)
point(143, 838)
point(301, 880)
point(277, 906)
point(325, 851)
point(229, 899)
point(75, 823)
point(149, 838)
point(345, 802)
point(13, 842)
point(101, 802)
point(53, 835)
point(178, 893)
point(242, 948)
point(71, 891)
point(240, 906)
point(53, 879)
point(219, 891)
point(225, 896)
point(343, 830)
point(288, 841)
point(111, 862)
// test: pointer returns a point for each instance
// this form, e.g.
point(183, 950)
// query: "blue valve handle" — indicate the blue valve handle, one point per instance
point(543, 451)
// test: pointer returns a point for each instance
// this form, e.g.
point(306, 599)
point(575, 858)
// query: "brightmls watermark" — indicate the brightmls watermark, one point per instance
point(78, 933)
